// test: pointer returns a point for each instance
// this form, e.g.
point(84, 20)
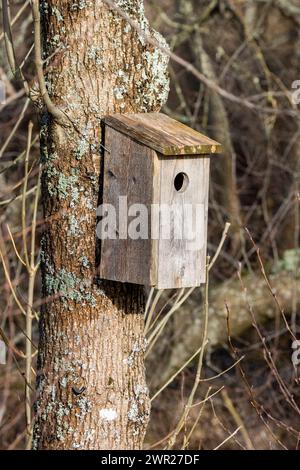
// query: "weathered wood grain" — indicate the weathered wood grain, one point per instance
point(172, 252)
point(163, 134)
point(131, 170)
point(181, 262)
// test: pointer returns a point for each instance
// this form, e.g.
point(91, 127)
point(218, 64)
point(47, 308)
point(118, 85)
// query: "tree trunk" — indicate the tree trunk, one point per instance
point(91, 383)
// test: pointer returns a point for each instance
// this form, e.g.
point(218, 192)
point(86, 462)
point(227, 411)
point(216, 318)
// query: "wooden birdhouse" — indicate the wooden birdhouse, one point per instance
point(153, 226)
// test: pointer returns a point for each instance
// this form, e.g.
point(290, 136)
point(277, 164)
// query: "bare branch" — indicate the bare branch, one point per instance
point(53, 110)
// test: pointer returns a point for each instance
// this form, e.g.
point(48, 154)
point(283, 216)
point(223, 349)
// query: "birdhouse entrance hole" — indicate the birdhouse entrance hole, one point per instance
point(181, 182)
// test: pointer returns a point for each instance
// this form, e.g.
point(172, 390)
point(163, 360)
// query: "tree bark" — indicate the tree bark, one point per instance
point(91, 383)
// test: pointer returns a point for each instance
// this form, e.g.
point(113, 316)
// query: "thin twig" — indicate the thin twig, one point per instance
point(204, 342)
point(30, 127)
point(228, 438)
point(53, 110)
point(224, 236)
point(17, 16)
point(237, 419)
point(190, 67)
point(18, 122)
point(8, 39)
point(176, 373)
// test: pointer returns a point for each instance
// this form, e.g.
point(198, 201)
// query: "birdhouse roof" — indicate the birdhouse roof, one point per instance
point(163, 134)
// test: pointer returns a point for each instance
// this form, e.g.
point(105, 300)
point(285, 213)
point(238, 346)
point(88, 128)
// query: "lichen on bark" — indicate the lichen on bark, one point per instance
point(91, 351)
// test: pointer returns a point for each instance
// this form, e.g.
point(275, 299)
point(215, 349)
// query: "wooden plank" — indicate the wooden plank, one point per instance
point(154, 219)
point(181, 263)
point(131, 170)
point(163, 134)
